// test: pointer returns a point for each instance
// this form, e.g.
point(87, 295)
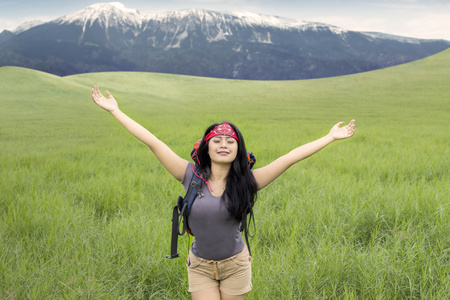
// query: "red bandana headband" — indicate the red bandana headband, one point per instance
point(222, 129)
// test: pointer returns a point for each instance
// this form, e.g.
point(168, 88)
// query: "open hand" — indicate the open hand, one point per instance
point(338, 132)
point(108, 104)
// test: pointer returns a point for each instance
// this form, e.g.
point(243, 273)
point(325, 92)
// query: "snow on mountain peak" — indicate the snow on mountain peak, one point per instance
point(262, 20)
point(241, 17)
point(115, 14)
point(27, 25)
point(113, 6)
point(110, 14)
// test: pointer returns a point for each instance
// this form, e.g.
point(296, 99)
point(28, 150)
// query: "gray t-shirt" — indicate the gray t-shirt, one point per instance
point(217, 235)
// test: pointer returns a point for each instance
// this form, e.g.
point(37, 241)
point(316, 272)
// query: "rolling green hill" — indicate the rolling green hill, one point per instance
point(85, 208)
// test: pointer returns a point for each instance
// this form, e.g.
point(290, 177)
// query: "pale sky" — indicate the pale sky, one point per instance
point(428, 19)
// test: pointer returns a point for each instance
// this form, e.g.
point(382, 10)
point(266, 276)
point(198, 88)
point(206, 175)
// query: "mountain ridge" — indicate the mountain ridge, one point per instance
point(240, 45)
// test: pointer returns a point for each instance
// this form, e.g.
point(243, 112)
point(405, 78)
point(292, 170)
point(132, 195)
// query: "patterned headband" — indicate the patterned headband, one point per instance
point(222, 129)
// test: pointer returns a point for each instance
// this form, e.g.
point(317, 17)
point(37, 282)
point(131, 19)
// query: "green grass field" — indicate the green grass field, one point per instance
point(85, 208)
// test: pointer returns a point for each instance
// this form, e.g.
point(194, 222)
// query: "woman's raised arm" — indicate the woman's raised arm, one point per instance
point(265, 175)
point(171, 161)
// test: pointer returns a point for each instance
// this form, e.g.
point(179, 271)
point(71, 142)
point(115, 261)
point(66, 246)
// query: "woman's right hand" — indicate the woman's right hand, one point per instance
point(172, 162)
point(108, 104)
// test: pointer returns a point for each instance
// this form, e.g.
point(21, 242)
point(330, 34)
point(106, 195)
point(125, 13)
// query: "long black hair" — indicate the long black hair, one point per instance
point(241, 186)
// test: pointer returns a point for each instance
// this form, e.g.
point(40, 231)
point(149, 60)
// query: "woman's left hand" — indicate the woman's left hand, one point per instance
point(338, 132)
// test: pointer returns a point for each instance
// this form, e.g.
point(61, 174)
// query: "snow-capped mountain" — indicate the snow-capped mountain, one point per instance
point(107, 15)
point(214, 25)
point(243, 45)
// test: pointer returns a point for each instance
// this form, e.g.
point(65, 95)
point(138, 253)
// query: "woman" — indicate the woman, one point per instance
point(219, 265)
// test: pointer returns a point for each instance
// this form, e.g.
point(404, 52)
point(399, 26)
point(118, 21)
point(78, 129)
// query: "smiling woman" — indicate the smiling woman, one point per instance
point(219, 263)
point(222, 149)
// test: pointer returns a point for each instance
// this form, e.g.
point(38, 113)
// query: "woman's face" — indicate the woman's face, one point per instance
point(222, 149)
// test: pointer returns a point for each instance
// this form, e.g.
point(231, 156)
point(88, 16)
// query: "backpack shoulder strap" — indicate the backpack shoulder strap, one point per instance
point(181, 212)
point(175, 228)
point(194, 190)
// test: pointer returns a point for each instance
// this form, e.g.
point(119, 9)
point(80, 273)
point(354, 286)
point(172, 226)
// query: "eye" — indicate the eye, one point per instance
point(231, 141)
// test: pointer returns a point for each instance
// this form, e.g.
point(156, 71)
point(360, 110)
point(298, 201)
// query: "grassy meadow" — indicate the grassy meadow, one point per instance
point(85, 209)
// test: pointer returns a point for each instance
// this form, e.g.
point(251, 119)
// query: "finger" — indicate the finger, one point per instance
point(108, 94)
point(96, 95)
point(97, 92)
point(351, 130)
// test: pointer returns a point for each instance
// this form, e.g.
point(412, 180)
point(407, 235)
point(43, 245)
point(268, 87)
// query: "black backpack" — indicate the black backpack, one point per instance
point(182, 210)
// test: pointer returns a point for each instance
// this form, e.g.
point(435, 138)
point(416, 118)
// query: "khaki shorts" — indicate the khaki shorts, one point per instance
point(232, 275)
